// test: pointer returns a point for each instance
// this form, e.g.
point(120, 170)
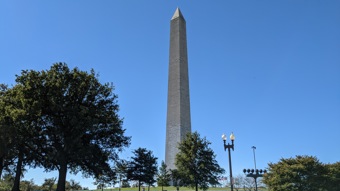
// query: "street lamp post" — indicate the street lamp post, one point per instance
point(228, 146)
point(253, 147)
point(254, 173)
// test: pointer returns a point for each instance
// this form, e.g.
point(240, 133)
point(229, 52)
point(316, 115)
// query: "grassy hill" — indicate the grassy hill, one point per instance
point(172, 188)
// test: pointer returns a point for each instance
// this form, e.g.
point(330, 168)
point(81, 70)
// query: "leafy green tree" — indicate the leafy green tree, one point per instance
point(49, 184)
point(76, 118)
point(121, 170)
point(28, 185)
point(333, 178)
point(196, 162)
point(103, 181)
point(7, 133)
point(7, 181)
point(163, 176)
point(73, 185)
point(125, 184)
point(175, 177)
point(143, 167)
point(15, 137)
point(299, 173)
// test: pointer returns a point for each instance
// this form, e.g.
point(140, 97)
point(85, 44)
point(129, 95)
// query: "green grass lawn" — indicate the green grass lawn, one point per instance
point(172, 188)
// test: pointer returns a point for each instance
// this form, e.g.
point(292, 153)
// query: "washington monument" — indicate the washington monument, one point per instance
point(178, 122)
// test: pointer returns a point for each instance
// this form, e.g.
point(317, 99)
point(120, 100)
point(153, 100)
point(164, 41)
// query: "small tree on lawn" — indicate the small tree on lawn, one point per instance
point(196, 162)
point(143, 167)
point(163, 176)
point(121, 170)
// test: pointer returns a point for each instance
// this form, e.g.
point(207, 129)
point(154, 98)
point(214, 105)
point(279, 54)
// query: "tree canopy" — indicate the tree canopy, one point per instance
point(302, 173)
point(164, 176)
point(7, 134)
point(121, 170)
point(142, 167)
point(334, 176)
point(71, 120)
point(15, 135)
point(196, 162)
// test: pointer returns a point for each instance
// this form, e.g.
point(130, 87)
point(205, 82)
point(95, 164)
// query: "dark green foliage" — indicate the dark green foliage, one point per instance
point(10, 130)
point(7, 134)
point(49, 184)
point(125, 184)
point(175, 177)
point(163, 176)
point(72, 119)
point(302, 173)
point(121, 170)
point(104, 181)
point(6, 182)
point(28, 185)
point(15, 135)
point(142, 167)
point(196, 163)
point(72, 185)
point(333, 183)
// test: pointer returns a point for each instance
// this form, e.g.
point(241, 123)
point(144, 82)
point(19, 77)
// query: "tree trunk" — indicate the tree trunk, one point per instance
point(16, 185)
point(62, 177)
point(120, 182)
point(1, 166)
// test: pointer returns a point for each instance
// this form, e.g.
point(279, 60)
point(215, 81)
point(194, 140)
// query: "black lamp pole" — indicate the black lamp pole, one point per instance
point(254, 174)
point(228, 146)
point(253, 147)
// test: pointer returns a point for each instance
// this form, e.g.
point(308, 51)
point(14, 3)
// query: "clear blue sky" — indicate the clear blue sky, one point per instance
point(267, 70)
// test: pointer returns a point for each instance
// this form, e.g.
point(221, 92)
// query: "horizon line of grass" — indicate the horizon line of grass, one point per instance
point(169, 188)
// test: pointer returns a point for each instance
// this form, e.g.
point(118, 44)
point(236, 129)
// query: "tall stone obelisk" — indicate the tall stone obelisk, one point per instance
point(178, 122)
